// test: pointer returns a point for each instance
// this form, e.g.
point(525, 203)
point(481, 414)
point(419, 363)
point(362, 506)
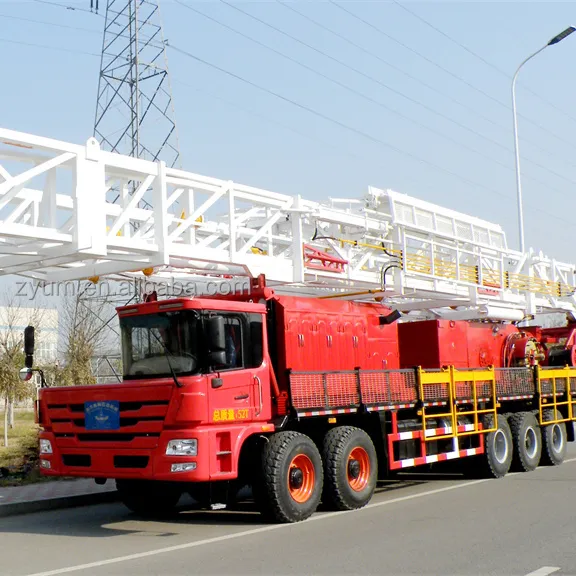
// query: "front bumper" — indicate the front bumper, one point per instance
point(113, 460)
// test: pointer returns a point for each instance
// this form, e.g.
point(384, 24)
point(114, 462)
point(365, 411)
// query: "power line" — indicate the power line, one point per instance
point(308, 136)
point(389, 64)
point(34, 45)
point(330, 79)
point(356, 131)
point(75, 28)
point(290, 58)
point(481, 58)
point(304, 107)
point(328, 118)
point(44, 23)
point(316, 72)
point(459, 78)
point(67, 7)
point(341, 84)
point(312, 111)
point(368, 76)
point(376, 80)
point(267, 118)
point(322, 26)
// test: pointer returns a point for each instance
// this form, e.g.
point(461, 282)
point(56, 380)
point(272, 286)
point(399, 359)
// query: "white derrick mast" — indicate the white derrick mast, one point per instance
point(59, 221)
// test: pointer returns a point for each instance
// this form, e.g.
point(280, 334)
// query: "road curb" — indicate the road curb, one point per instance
point(18, 508)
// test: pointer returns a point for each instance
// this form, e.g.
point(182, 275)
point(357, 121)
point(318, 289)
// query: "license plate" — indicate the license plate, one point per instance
point(102, 415)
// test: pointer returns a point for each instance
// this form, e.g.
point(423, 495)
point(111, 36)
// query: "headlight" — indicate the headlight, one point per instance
point(45, 446)
point(182, 447)
point(183, 467)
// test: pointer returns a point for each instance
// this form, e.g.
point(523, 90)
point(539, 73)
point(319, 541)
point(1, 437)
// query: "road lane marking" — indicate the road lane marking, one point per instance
point(319, 517)
point(544, 571)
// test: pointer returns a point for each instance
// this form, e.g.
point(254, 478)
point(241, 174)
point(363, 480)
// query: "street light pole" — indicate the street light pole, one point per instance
point(554, 40)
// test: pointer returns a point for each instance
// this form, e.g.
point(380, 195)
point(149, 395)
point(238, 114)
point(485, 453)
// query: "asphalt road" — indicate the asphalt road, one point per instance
point(524, 524)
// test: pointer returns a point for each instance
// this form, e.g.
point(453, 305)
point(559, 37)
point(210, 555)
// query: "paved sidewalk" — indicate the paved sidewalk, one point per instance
point(57, 494)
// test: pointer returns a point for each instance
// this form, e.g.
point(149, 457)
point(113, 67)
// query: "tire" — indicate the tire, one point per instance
point(290, 484)
point(350, 468)
point(554, 440)
point(527, 439)
point(498, 451)
point(148, 498)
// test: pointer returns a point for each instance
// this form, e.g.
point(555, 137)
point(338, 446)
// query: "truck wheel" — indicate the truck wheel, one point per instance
point(554, 440)
point(498, 451)
point(350, 468)
point(290, 485)
point(527, 441)
point(148, 498)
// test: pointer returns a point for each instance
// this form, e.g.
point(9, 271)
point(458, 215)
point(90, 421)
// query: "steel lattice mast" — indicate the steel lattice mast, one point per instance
point(134, 109)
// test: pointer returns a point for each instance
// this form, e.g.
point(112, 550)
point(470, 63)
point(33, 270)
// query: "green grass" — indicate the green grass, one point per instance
point(20, 458)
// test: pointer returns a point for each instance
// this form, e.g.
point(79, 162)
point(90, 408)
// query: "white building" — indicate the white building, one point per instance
point(14, 319)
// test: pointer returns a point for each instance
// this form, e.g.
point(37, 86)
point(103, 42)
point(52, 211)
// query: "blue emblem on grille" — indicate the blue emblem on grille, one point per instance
point(102, 415)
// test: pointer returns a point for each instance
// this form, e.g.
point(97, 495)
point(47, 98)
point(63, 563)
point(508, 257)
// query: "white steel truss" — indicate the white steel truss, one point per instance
point(59, 222)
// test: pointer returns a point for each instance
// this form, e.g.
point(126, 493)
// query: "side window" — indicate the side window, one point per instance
point(243, 334)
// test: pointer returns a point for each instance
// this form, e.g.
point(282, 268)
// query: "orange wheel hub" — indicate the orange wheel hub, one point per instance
point(358, 469)
point(301, 478)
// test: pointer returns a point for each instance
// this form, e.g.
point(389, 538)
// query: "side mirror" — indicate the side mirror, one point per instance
point(25, 374)
point(29, 346)
point(215, 333)
point(217, 358)
point(216, 341)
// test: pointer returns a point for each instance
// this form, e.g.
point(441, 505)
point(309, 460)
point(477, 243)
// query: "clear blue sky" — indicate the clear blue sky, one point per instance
point(52, 93)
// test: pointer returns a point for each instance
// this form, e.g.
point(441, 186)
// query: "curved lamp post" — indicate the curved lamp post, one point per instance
point(554, 40)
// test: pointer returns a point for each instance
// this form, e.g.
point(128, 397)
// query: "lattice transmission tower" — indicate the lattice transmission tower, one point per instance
point(134, 109)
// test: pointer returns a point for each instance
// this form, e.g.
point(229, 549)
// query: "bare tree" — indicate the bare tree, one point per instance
point(13, 316)
point(85, 328)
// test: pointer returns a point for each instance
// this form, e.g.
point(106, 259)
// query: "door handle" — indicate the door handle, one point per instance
point(259, 394)
point(241, 397)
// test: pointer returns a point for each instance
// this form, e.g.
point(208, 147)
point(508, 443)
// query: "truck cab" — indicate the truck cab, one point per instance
point(195, 385)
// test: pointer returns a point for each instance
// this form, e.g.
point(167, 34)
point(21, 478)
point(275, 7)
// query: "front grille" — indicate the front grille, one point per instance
point(140, 422)
point(112, 437)
point(124, 406)
point(124, 422)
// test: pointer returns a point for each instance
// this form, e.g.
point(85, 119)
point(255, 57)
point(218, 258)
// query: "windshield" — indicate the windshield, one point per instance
point(146, 340)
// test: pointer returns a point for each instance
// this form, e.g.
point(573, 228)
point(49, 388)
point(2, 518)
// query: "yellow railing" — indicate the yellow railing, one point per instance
point(447, 380)
point(473, 274)
point(552, 402)
point(442, 380)
point(443, 268)
point(553, 387)
point(476, 377)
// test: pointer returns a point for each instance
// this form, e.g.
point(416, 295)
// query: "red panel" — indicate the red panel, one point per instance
point(419, 344)
point(436, 343)
point(358, 339)
point(452, 338)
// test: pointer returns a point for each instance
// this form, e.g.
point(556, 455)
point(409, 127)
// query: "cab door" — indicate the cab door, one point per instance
point(236, 390)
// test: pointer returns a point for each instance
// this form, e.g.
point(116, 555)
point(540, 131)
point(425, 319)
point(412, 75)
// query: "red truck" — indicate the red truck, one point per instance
point(306, 400)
